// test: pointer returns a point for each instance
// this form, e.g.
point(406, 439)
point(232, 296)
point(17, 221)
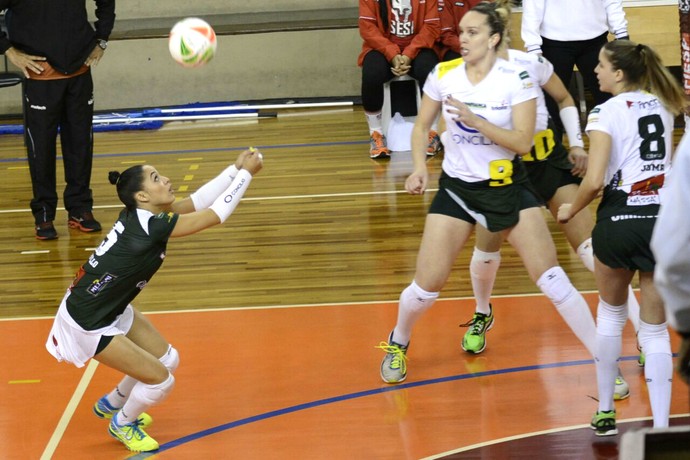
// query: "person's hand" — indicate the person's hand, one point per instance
point(683, 362)
point(95, 57)
point(401, 65)
point(461, 112)
point(242, 156)
point(578, 157)
point(25, 62)
point(253, 162)
point(564, 213)
point(415, 184)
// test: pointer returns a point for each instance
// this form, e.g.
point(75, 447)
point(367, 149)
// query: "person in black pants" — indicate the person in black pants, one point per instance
point(397, 39)
point(571, 33)
point(55, 46)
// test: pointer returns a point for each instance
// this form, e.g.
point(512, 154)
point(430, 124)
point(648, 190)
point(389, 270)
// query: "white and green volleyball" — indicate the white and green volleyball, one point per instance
point(192, 42)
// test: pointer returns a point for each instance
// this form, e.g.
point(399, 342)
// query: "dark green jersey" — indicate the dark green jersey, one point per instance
point(119, 268)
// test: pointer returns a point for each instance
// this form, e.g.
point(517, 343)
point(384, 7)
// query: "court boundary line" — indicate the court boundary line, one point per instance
point(193, 437)
point(68, 413)
point(537, 433)
point(306, 305)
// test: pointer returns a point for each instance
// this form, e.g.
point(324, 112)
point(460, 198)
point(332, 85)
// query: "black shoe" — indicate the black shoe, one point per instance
point(46, 231)
point(83, 221)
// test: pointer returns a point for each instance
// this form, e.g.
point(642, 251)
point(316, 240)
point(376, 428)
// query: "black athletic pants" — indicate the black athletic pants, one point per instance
point(65, 105)
point(564, 56)
point(376, 70)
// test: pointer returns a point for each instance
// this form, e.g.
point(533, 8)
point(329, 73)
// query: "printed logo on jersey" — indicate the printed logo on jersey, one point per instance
point(142, 284)
point(593, 116)
point(524, 75)
point(166, 215)
point(470, 136)
point(98, 285)
point(401, 25)
point(643, 105)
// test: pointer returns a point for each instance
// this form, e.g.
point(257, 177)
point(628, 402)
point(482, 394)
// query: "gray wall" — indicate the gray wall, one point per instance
point(297, 64)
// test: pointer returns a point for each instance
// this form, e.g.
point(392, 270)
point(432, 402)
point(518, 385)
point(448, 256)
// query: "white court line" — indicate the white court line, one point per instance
point(259, 198)
point(306, 305)
point(69, 410)
point(535, 433)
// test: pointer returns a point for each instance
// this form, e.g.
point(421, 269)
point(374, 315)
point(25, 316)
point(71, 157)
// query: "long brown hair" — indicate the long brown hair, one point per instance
point(643, 69)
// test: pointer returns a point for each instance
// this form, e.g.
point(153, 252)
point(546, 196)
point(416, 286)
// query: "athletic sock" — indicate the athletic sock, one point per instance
point(413, 302)
point(483, 269)
point(586, 254)
point(570, 304)
point(633, 310)
point(374, 122)
point(142, 397)
point(658, 369)
point(610, 323)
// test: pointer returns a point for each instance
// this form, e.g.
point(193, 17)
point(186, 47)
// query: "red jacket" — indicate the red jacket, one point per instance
point(450, 12)
point(423, 20)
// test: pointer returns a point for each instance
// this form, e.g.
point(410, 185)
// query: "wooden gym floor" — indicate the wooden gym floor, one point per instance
point(276, 314)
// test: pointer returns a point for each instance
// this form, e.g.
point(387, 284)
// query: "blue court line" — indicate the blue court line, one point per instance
point(360, 394)
point(194, 151)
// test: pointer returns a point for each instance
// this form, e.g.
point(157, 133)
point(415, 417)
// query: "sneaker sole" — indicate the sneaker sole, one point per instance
point(393, 383)
point(488, 328)
point(110, 432)
point(46, 238)
point(80, 227)
point(617, 397)
point(605, 433)
point(379, 156)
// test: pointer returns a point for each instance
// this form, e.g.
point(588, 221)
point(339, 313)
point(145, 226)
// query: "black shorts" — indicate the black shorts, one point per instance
point(621, 236)
point(547, 178)
point(444, 203)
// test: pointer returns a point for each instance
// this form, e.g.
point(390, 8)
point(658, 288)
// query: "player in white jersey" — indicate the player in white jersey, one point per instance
point(96, 319)
point(631, 142)
point(554, 173)
point(489, 106)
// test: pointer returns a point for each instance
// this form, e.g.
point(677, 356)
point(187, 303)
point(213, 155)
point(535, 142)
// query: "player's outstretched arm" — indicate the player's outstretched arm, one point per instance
point(225, 202)
point(207, 193)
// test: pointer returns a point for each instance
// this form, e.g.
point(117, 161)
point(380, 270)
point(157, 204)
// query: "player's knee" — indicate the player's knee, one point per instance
point(152, 394)
point(171, 359)
point(556, 285)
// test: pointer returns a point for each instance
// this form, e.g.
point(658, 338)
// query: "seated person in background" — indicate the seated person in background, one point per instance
point(450, 12)
point(399, 37)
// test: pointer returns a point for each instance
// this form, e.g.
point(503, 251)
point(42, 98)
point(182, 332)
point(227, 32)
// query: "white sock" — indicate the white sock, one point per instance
point(658, 369)
point(374, 122)
point(483, 268)
point(142, 397)
point(633, 310)
point(121, 392)
point(573, 308)
point(586, 254)
point(413, 302)
point(119, 395)
point(610, 323)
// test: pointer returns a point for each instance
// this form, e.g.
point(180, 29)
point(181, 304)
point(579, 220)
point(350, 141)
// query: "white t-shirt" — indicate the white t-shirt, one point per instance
point(468, 154)
point(540, 70)
point(641, 131)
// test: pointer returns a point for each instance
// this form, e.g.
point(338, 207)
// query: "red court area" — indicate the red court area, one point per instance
point(303, 382)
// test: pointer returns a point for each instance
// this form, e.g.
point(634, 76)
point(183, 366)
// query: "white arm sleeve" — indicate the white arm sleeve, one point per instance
point(207, 193)
point(226, 203)
point(571, 122)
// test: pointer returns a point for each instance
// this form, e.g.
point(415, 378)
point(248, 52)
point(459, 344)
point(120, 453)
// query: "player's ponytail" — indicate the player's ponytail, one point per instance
point(128, 183)
point(643, 69)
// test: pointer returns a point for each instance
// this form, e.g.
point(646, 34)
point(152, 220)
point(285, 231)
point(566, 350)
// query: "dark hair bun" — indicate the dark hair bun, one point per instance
point(113, 177)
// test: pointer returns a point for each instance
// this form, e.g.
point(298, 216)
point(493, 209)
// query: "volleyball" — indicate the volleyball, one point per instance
point(192, 42)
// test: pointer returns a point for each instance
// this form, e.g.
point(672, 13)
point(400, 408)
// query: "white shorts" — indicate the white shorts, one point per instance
point(69, 342)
